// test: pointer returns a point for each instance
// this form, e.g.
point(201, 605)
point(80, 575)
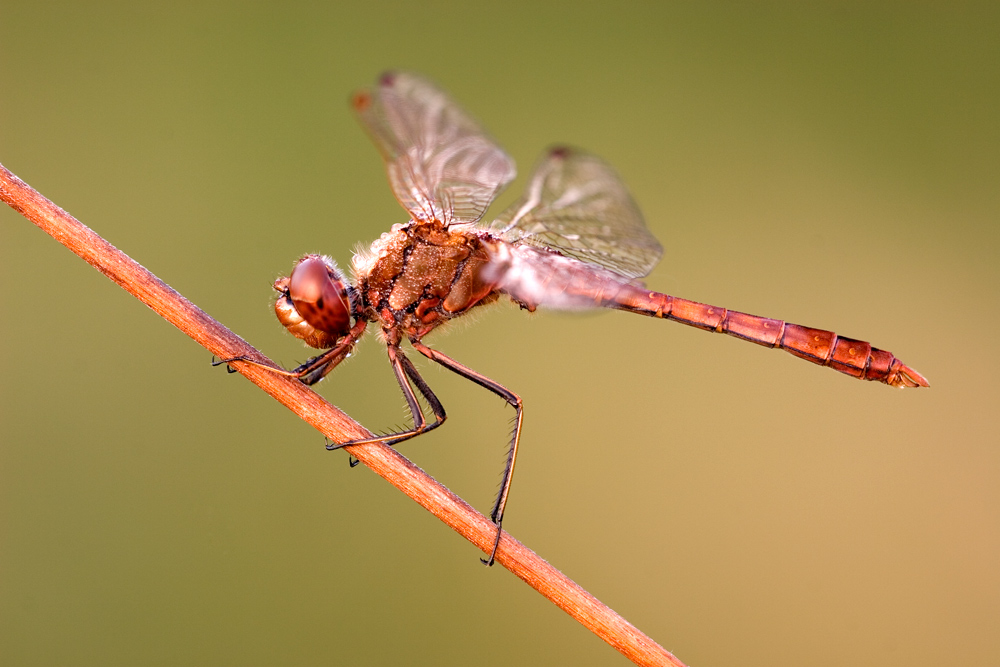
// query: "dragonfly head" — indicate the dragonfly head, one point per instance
point(314, 303)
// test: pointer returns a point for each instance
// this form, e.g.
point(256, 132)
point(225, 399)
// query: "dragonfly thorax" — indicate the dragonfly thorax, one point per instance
point(421, 275)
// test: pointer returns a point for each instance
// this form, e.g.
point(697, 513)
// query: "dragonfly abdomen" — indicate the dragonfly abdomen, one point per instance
point(854, 357)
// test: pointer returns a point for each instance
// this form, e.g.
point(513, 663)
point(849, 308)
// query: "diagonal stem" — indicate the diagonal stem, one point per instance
point(334, 424)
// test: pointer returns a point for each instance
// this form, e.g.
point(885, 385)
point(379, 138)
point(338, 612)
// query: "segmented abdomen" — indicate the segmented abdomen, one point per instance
point(847, 355)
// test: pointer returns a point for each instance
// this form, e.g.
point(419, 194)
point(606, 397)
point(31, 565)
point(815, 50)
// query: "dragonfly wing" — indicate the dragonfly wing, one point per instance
point(442, 165)
point(577, 205)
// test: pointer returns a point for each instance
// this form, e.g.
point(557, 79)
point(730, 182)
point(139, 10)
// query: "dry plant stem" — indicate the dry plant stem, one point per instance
point(332, 423)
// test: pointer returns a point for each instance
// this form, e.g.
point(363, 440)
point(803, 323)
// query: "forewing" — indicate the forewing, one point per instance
point(577, 205)
point(441, 164)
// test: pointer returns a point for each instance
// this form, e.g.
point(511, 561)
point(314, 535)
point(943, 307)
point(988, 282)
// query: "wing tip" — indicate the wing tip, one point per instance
point(388, 78)
point(361, 101)
point(560, 152)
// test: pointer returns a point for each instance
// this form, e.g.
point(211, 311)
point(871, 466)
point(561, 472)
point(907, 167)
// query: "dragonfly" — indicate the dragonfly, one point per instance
point(576, 239)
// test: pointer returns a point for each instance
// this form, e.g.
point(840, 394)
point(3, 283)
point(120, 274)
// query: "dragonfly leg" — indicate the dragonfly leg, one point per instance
point(316, 368)
point(514, 401)
point(351, 461)
point(406, 373)
point(309, 373)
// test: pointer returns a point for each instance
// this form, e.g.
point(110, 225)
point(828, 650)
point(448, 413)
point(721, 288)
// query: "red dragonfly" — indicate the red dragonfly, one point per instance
point(575, 240)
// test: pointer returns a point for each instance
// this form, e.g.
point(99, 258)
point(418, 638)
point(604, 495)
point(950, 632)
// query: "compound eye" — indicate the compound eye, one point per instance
point(318, 292)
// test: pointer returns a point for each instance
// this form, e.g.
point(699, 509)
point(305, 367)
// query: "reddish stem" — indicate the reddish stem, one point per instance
point(334, 424)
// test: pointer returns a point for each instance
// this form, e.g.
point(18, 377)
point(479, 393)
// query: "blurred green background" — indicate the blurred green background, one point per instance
point(835, 166)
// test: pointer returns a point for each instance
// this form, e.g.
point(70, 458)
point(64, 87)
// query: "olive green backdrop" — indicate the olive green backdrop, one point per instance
point(834, 166)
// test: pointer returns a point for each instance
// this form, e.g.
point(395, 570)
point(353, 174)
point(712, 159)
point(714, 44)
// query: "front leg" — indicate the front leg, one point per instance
point(316, 368)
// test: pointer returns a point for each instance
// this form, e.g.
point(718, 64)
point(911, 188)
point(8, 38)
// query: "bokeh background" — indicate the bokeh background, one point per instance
point(835, 166)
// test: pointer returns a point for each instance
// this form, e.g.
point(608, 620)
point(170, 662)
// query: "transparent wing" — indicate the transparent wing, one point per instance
point(578, 206)
point(442, 165)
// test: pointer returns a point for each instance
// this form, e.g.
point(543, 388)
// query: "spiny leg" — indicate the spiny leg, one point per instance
point(309, 373)
point(306, 372)
point(314, 369)
point(351, 461)
point(425, 391)
point(406, 372)
point(515, 401)
point(428, 395)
